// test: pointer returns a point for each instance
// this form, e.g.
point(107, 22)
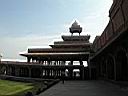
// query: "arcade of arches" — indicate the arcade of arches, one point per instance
point(112, 66)
point(43, 71)
point(110, 57)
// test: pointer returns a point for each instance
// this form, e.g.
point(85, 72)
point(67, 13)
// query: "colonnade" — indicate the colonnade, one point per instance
point(112, 66)
point(44, 62)
point(40, 70)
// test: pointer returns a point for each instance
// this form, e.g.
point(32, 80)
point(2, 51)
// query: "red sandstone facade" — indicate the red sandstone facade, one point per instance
point(111, 47)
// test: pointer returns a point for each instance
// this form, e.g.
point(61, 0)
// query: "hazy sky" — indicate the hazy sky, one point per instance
point(26, 23)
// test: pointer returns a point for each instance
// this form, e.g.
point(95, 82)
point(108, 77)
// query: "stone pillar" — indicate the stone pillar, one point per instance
point(71, 62)
point(39, 61)
point(56, 62)
point(32, 60)
point(7, 70)
point(29, 70)
point(28, 59)
point(44, 62)
point(92, 69)
point(82, 73)
point(59, 63)
point(45, 72)
point(17, 71)
point(57, 73)
point(89, 66)
point(1, 70)
point(63, 63)
point(81, 62)
point(49, 72)
point(62, 74)
point(52, 73)
point(42, 72)
point(71, 71)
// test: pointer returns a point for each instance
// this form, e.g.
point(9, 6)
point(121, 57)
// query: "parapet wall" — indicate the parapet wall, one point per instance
point(118, 23)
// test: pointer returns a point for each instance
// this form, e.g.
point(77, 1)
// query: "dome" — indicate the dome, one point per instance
point(75, 28)
point(75, 24)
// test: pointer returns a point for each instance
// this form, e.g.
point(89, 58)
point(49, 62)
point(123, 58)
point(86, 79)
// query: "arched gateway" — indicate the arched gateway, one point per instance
point(51, 62)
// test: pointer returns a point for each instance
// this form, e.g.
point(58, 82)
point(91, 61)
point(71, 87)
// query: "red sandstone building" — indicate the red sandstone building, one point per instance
point(110, 57)
point(50, 62)
point(72, 48)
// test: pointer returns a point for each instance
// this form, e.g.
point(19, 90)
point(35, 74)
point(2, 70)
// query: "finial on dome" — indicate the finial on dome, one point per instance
point(75, 28)
point(75, 23)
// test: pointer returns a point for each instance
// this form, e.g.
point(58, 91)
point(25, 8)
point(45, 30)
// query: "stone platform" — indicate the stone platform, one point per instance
point(85, 88)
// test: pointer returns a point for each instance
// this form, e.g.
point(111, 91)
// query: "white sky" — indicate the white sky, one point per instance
point(27, 23)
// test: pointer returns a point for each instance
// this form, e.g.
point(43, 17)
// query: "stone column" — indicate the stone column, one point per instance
point(52, 72)
point(48, 72)
point(42, 72)
point(7, 70)
point(81, 62)
point(48, 62)
point(82, 73)
point(28, 59)
point(63, 63)
point(17, 71)
point(57, 62)
point(71, 62)
point(57, 73)
point(89, 66)
point(29, 69)
point(71, 70)
point(45, 72)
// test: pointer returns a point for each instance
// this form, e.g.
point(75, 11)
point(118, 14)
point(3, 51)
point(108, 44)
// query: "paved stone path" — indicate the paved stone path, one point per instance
point(85, 88)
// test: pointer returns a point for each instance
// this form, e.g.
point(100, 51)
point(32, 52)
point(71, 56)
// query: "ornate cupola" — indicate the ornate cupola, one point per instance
point(75, 28)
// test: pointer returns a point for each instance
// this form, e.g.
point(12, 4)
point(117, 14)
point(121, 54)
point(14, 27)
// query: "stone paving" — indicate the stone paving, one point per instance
point(85, 88)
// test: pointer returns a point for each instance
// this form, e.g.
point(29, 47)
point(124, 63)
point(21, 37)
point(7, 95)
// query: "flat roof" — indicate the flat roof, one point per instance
point(73, 44)
point(42, 54)
point(76, 38)
point(59, 56)
point(57, 50)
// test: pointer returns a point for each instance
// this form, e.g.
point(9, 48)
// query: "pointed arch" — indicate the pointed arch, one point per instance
point(110, 66)
point(121, 64)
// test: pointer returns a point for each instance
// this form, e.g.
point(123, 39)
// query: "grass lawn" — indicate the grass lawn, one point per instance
point(14, 88)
